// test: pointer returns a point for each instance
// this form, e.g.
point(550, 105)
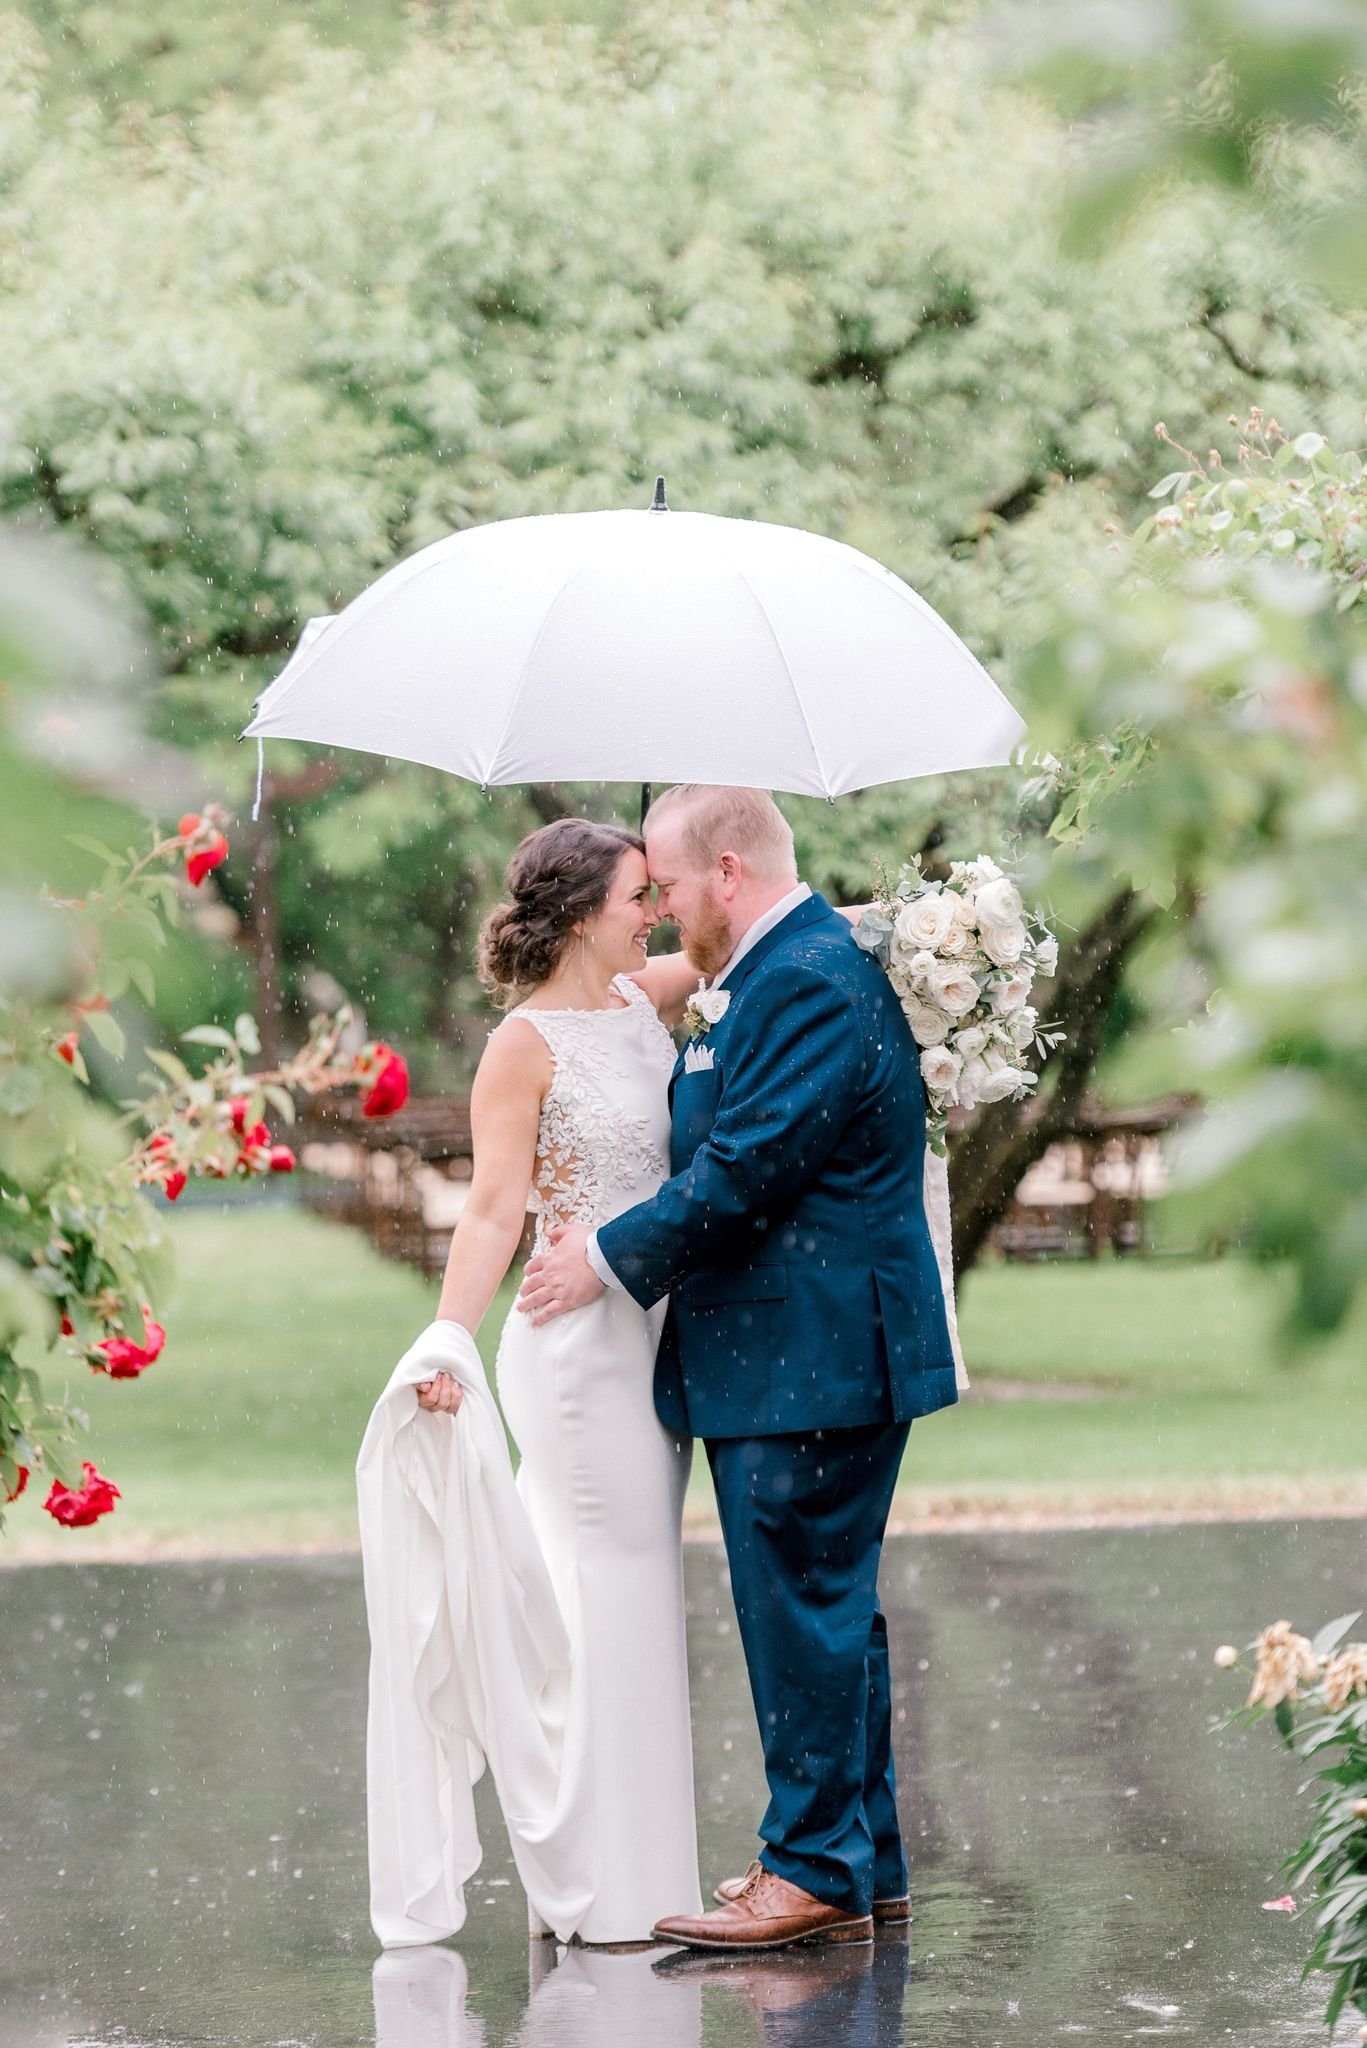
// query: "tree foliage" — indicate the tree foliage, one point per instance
point(260, 349)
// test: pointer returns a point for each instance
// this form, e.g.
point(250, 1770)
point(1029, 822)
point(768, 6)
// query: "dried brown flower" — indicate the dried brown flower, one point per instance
point(1345, 1675)
point(1284, 1659)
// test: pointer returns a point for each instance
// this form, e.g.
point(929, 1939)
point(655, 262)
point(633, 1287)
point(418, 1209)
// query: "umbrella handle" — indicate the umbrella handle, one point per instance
point(645, 803)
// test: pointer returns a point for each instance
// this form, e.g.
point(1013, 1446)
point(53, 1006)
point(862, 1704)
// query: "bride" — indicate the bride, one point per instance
point(570, 1108)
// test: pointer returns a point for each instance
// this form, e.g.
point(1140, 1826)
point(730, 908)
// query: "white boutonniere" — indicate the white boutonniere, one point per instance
point(704, 1008)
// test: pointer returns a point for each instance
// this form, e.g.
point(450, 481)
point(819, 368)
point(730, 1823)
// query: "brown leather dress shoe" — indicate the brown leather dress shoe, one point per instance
point(768, 1912)
point(886, 1912)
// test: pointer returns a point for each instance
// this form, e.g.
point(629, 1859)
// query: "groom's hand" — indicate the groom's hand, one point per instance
point(560, 1278)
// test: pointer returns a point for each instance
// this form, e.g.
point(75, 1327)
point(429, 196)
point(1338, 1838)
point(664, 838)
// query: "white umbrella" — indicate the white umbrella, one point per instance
point(644, 646)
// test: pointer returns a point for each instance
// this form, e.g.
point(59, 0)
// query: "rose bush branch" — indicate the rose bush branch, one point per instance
point(83, 1255)
point(1199, 701)
point(1317, 1693)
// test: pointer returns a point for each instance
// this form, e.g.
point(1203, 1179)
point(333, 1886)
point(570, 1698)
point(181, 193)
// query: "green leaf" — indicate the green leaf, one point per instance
point(210, 1034)
point(280, 1100)
point(169, 1064)
point(1285, 1720)
point(247, 1035)
point(141, 976)
point(1333, 1632)
point(1175, 480)
point(95, 846)
point(107, 1032)
point(20, 1090)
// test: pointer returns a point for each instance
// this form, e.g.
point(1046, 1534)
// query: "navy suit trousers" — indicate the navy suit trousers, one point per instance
point(803, 1517)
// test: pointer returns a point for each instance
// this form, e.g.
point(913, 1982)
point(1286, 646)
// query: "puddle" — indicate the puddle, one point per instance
point(184, 1859)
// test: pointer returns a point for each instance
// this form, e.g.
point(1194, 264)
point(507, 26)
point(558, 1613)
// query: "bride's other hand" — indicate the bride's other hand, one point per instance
point(440, 1396)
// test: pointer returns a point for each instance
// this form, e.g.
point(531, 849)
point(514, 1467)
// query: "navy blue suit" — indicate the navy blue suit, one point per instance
point(806, 1330)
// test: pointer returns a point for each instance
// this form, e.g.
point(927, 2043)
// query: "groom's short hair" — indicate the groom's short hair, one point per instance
point(720, 818)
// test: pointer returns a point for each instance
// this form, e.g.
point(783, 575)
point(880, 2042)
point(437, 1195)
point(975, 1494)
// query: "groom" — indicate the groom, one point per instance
point(806, 1329)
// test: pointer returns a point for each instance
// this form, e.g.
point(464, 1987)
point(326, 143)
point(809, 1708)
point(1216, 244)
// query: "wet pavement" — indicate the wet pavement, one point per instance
point(182, 1859)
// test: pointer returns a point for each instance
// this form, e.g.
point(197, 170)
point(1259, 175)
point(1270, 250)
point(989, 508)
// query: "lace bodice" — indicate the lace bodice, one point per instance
point(603, 1141)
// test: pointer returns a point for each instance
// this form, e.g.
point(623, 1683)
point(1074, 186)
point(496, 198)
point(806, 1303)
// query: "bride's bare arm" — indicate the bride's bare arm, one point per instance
point(669, 980)
point(505, 1110)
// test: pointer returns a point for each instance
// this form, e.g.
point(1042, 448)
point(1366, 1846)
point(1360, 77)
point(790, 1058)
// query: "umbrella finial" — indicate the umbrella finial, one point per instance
point(661, 504)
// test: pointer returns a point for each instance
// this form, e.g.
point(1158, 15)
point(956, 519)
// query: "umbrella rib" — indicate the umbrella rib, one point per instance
point(787, 670)
point(569, 577)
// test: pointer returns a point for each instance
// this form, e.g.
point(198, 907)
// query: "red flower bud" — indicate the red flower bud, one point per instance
point(122, 1359)
point(68, 1327)
point(389, 1089)
point(198, 864)
point(237, 1111)
point(257, 1135)
point(162, 1142)
point(175, 1186)
point(66, 1047)
point(189, 824)
point(77, 1509)
point(21, 1483)
point(282, 1159)
point(92, 1003)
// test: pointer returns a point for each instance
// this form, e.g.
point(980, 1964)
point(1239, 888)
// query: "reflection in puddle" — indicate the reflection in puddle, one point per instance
point(800, 1998)
point(182, 1855)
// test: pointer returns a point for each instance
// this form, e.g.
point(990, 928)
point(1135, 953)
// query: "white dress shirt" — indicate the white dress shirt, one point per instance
point(775, 914)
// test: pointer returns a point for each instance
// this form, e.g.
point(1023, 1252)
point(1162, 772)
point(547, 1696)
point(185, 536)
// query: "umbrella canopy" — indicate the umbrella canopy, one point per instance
point(641, 647)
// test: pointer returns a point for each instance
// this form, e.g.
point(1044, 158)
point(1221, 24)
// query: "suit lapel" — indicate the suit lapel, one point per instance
point(809, 911)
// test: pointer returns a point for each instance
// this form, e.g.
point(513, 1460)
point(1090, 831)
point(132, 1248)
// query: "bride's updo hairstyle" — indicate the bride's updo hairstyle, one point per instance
point(559, 875)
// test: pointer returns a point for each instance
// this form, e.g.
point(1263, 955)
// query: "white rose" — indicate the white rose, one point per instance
point(940, 1069)
point(975, 1073)
point(998, 902)
point(971, 1040)
point(999, 1082)
point(920, 924)
point(1046, 955)
point(929, 1026)
point(712, 1004)
point(1003, 943)
point(1010, 994)
point(959, 940)
point(955, 990)
point(984, 870)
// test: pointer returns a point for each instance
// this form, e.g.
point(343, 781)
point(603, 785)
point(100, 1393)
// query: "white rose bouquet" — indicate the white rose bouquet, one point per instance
point(963, 956)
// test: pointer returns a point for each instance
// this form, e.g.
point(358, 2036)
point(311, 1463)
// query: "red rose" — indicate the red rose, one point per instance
point(66, 1047)
point(175, 1185)
point(198, 863)
point(389, 1087)
point(122, 1359)
point(282, 1159)
point(78, 1509)
point(189, 824)
point(21, 1484)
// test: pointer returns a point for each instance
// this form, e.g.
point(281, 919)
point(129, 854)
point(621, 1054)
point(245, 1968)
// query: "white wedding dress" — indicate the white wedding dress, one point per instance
point(603, 1481)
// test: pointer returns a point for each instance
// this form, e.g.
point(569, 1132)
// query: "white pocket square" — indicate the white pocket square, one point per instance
point(698, 1059)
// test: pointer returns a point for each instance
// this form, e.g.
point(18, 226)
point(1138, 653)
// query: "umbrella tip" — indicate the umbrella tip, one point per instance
point(660, 503)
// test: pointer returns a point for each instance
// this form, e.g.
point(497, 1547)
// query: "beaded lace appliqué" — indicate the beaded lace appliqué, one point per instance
point(590, 1151)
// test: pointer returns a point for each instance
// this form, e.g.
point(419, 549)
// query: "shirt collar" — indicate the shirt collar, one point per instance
point(775, 914)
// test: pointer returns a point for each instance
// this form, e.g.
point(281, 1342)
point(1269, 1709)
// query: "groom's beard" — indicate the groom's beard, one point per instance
point(710, 942)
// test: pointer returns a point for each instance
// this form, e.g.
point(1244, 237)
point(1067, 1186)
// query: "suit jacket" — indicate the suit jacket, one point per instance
point(792, 1237)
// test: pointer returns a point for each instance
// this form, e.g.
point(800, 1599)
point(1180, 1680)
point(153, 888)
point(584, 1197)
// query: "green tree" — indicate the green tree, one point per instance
point(495, 270)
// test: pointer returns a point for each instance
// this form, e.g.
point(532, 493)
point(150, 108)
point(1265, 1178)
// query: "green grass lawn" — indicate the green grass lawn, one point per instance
point(1153, 1384)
